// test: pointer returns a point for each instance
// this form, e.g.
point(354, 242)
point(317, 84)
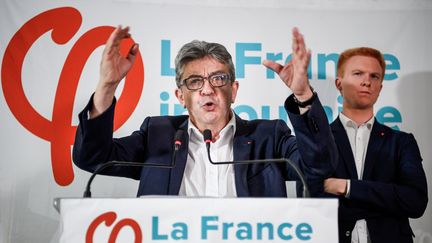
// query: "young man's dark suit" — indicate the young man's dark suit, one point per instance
point(313, 150)
point(393, 187)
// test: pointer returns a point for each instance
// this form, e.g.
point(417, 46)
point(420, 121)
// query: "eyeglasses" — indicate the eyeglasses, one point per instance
point(215, 80)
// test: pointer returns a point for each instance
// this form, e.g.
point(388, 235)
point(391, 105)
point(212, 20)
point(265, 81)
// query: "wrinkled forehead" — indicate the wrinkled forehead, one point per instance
point(204, 67)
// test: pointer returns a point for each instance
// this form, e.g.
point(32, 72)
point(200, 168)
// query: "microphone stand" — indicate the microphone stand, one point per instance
point(208, 140)
point(177, 144)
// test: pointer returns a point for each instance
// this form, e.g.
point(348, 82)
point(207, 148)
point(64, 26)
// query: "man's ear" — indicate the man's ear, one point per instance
point(180, 97)
point(338, 84)
point(235, 86)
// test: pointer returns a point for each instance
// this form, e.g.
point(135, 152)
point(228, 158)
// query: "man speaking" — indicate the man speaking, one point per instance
point(206, 87)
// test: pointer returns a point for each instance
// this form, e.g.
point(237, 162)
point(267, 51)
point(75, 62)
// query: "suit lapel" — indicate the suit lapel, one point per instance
point(376, 141)
point(177, 172)
point(344, 147)
point(242, 150)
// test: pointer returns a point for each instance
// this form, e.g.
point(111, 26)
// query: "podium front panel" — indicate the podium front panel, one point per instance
point(176, 219)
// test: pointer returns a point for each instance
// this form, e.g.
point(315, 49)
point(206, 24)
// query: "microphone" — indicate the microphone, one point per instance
point(177, 143)
point(208, 139)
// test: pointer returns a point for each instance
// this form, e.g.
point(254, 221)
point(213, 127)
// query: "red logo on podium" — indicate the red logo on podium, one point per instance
point(109, 219)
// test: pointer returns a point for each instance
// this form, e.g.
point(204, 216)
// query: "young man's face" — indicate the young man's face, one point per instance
point(361, 83)
point(208, 106)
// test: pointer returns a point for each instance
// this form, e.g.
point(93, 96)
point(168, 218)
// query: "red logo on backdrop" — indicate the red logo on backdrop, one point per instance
point(63, 23)
point(109, 219)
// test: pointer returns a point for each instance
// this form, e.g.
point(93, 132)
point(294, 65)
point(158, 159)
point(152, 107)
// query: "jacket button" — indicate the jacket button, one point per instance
point(347, 233)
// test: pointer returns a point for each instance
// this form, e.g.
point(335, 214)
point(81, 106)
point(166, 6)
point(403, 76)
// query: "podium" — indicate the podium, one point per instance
point(179, 219)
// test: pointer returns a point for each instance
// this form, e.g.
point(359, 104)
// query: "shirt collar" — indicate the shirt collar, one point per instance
point(347, 122)
point(194, 131)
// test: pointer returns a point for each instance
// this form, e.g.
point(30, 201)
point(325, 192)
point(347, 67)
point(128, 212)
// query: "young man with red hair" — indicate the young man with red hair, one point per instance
point(379, 179)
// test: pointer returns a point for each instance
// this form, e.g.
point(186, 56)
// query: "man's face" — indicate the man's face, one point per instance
point(361, 83)
point(208, 106)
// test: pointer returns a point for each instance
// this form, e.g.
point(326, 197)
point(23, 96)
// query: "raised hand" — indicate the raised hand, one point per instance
point(114, 66)
point(113, 69)
point(294, 73)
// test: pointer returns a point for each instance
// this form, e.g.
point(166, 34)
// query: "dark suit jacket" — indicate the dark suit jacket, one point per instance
point(393, 187)
point(312, 149)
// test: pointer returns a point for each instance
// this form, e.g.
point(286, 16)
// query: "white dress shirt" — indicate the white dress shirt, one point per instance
point(201, 178)
point(358, 136)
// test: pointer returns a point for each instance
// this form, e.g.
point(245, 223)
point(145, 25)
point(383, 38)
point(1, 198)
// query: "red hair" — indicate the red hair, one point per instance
point(359, 51)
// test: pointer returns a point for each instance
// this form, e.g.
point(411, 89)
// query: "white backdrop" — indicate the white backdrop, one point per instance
point(38, 134)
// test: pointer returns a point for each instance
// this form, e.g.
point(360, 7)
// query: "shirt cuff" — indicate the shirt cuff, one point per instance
point(348, 189)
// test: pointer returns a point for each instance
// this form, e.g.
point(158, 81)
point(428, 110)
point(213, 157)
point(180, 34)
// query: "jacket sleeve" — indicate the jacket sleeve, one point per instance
point(406, 195)
point(315, 142)
point(94, 144)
